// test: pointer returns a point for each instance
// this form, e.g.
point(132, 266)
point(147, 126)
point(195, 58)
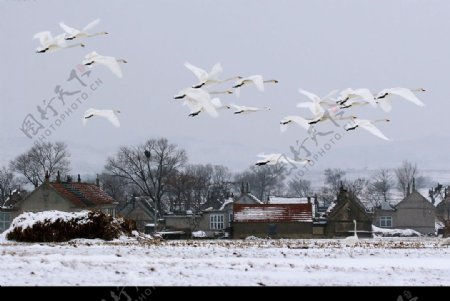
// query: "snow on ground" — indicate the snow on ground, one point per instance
point(379, 261)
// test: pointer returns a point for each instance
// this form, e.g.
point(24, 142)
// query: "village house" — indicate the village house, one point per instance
point(413, 212)
point(443, 208)
point(142, 211)
point(272, 220)
point(340, 216)
point(212, 222)
point(7, 208)
point(65, 196)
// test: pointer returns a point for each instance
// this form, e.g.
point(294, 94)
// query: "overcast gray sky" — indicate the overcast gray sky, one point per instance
point(314, 45)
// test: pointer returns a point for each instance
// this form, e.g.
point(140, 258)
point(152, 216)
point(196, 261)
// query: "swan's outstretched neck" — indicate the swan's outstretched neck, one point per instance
point(419, 90)
point(97, 34)
point(231, 78)
point(75, 45)
point(271, 81)
point(380, 120)
point(221, 92)
point(121, 61)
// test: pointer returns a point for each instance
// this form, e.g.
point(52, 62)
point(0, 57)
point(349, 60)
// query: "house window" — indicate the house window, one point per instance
point(5, 221)
point(386, 221)
point(216, 221)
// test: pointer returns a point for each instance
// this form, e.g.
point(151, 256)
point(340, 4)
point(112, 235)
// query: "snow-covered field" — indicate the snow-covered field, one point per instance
point(379, 261)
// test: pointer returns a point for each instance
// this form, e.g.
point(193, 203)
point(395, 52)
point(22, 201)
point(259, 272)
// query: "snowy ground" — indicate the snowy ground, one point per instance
point(380, 261)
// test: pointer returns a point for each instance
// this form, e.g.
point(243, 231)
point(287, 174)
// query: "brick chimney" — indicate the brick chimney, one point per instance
point(47, 177)
point(79, 179)
point(58, 177)
point(97, 181)
point(413, 185)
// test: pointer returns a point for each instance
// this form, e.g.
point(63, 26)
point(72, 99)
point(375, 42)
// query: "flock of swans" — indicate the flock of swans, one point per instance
point(199, 98)
point(327, 108)
point(50, 43)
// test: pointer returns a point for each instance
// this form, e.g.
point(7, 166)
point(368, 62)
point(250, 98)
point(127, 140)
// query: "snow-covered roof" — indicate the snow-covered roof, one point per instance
point(287, 200)
point(272, 213)
point(228, 201)
point(331, 207)
point(254, 198)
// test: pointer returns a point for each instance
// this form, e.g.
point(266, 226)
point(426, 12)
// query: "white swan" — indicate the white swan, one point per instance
point(287, 120)
point(368, 125)
point(318, 105)
point(196, 107)
point(272, 159)
point(51, 44)
point(198, 100)
point(245, 109)
point(108, 114)
point(256, 80)
point(383, 97)
point(363, 93)
point(182, 93)
point(307, 122)
point(354, 103)
point(111, 62)
point(352, 239)
point(206, 78)
point(73, 33)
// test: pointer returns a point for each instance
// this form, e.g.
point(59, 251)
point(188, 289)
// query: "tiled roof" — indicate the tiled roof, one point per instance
point(272, 213)
point(83, 194)
point(142, 203)
point(414, 200)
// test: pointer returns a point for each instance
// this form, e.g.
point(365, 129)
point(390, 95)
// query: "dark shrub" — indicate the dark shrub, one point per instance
point(57, 226)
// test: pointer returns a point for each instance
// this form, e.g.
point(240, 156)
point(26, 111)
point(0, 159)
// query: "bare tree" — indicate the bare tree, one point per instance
point(264, 180)
point(405, 175)
point(358, 187)
point(382, 183)
point(7, 183)
point(299, 187)
point(148, 166)
point(199, 185)
point(120, 189)
point(220, 183)
point(41, 158)
point(333, 179)
point(180, 191)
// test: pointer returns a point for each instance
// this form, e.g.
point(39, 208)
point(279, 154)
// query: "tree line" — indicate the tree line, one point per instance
point(160, 171)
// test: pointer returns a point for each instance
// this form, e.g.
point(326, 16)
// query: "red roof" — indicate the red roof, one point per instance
point(263, 213)
point(83, 194)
